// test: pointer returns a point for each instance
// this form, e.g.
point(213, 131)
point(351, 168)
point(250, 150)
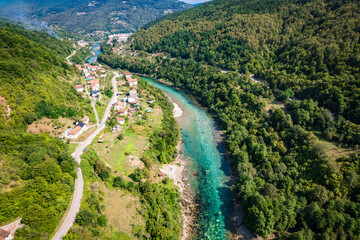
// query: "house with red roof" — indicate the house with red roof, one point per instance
point(120, 120)
point(5, 235)
point(119, 105)
point(123, 111)
point(132, 81)
point(79, 88)
point(127, 74)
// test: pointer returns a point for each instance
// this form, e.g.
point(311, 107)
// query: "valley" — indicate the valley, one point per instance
point(228, 120)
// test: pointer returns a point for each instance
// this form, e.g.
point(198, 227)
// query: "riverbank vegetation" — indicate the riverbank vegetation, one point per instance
point(109, 178)
point(287, 182)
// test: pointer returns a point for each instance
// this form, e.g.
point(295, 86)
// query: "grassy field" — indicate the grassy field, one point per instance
point(124, 155)
point(72, 147)
point(334, 151)
point(122, 211)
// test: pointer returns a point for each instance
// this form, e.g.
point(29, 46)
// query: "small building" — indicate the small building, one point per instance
point(123, 111)
point(133, 101)
point(95, 82)
point(148, 110)
point(85, 119)
point(132, 82)
point(82, 43)
point(133, 93)
point(74, 133)
point(95, 93)
point(79, 88)
point(120, 120)
point(117, 128)
point(94, 87)
point(132, 110)
point(119, 105)
point(151, 101)
point(87, 66)
point(5, 235)
point(127, 74)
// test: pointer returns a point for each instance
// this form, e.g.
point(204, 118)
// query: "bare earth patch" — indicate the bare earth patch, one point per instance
point(55, 127)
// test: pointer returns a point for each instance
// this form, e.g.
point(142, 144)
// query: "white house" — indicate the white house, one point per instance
point(131, 100)
point(75, 133)
point(85, 119)
point(127, 74)
point(132, 82)
point(79, 88)
point(133, 93)
point(119, 105)
point(121, 120)
point(123, 111)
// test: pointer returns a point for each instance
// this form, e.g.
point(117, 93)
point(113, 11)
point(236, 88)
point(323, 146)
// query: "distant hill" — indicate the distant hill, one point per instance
point(311, 47)
point(93, 17)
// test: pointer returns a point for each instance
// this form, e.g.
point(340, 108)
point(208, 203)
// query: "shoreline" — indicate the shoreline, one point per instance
point(176, 171)
point(240, 230)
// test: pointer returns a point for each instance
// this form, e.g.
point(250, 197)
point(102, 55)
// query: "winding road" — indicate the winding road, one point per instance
point(68, 57)
point(70, 215)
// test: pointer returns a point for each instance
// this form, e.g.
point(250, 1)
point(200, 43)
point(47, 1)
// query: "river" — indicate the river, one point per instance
point(211, 181)
point(96, 49)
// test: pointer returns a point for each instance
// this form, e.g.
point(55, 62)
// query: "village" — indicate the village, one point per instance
point(126, 106)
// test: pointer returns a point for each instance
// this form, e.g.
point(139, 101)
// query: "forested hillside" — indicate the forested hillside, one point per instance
point(311, 47)
point(34, 78)
point(93, 17)
point(290, 177)
point(37, 172)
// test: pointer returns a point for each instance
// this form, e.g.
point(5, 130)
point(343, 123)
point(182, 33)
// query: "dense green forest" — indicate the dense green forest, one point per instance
point(34, 78)
point(91, 16)
point(37, 180)
point(37, 172)
point(286, 177)
point(311, 47)
point(160, 202)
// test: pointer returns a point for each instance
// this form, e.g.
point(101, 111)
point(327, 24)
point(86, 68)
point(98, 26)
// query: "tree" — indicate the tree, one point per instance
point(102, 221)
point(84, 218)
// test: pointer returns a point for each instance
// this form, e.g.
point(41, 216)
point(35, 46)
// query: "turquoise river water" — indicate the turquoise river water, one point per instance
point(96, 49)
point(211, 183)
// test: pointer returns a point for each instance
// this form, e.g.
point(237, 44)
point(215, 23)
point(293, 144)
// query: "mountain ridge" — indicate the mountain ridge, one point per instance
point(94, 17)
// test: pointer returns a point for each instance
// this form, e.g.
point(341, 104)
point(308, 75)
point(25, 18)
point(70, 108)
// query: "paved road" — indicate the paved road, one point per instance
point(79, 182)
point(68, 57)
point(96, 115)
point(8, 226)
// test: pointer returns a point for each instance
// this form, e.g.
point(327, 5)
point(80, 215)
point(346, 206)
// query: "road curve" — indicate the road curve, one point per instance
point(68, 57)
point(69, 218)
